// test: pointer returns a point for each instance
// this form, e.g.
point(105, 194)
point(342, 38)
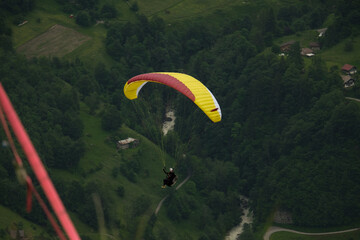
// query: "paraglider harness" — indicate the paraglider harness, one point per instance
point(170, 179)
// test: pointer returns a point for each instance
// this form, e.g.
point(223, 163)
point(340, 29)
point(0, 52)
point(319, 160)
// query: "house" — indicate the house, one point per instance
point(348, 69)
point(127, 143)
point(307, 52)
point(18, 234)
point(314, 46)
point(285, 47)
point(13, 233)
point(321, 32)
point(348, 81)
point(21, 234)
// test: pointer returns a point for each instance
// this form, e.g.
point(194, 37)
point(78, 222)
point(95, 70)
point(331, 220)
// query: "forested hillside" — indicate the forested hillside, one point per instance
point(289, 139)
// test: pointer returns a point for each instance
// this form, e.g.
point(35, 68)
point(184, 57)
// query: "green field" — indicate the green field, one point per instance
point(12, 221)
point(57, 41)
point(338, 56)
point(102, 154)
point(49, 13)
point(191, 9)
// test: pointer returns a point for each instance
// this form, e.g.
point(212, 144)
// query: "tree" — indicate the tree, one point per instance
point(72, 125)
point(120, 191)
point(201, 215)
point(86, 4)
point(92, 102)
point(83, 19)
point(67, 99)
point(339, 30)
point(180, 206)
point(103, 76)
point(6, 43)
point(268, 21)
point(349, 46)
point(111, 118)
point(247, 233)
point(140, 205)
point(216, 202)
point(161, 60)
point(134, 7)
point(295, 56)
point(17, 6)
point(108, 11)
point(342, 125)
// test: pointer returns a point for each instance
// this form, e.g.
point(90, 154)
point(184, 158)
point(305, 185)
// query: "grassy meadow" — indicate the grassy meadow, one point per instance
point(57, 41)
point(49, 13)
point(186, 9)
point(44, 16)
point(13, 221)
point(338, 56)
point(102, 157)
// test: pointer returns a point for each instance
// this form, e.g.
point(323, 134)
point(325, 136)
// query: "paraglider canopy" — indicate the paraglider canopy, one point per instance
point(185, 84)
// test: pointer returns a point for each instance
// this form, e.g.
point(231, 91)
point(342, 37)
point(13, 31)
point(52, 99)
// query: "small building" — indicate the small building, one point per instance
point(321, 32)
point(13, 233)
point(348, 69)
point(21, 234)
point(285, 47)
point(17, 234)
point(315, 46)
point(127, 143)
point(307, 52)
point(348, 81)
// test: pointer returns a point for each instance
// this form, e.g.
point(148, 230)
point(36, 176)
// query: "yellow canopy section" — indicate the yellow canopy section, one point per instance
point(186, 84)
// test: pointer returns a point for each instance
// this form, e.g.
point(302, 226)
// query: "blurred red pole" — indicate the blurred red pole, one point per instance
point(37, 166)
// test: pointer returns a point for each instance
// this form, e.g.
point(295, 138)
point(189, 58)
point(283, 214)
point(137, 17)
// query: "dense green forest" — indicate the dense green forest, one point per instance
point(289, 139)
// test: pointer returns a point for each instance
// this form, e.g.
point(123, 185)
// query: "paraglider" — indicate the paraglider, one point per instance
point(185, 84)
point(170, 179)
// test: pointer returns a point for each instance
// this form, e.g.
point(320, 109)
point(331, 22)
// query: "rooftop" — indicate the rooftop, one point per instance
point(347, 67)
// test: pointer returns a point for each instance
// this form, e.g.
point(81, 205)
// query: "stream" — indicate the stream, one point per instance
point(169, 122)
point(246, 218)
point(168, 125)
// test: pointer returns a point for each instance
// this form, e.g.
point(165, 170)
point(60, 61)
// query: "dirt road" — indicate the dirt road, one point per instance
point(354, 99)
point(164, 198)
point(274, 229)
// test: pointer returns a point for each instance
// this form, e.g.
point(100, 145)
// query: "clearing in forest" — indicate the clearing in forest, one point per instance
point(57, 41)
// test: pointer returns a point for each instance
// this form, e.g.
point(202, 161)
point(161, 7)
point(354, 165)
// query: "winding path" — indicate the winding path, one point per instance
point(164, 198)
point(274, 229)
point(354, 99)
